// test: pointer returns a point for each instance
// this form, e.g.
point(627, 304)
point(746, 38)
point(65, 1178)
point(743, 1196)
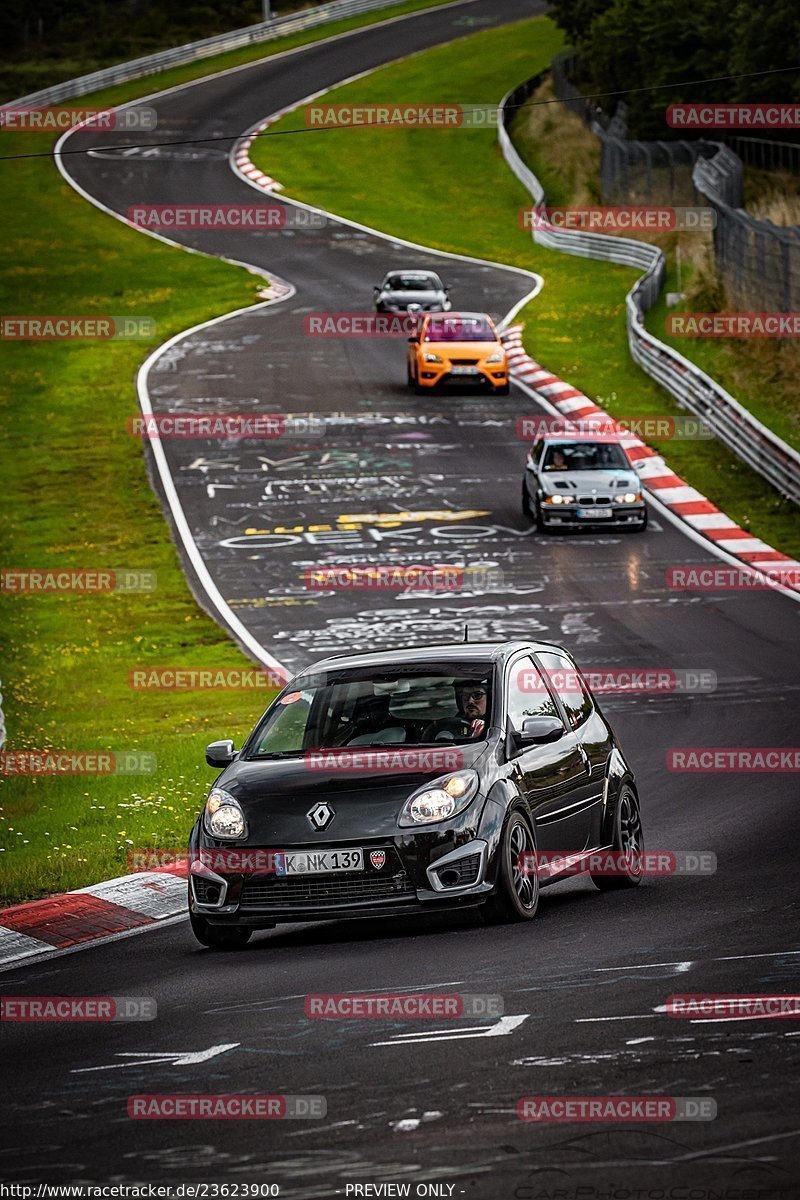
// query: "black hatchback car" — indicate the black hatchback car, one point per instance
point(412, 781)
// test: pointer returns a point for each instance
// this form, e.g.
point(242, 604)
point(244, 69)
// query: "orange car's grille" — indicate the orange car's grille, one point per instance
point(464, 362)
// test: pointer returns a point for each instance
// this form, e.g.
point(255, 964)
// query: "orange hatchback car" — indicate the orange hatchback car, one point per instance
point(457, 348)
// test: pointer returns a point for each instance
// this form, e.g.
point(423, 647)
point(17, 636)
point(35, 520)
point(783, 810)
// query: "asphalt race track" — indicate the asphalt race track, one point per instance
point(398, 477)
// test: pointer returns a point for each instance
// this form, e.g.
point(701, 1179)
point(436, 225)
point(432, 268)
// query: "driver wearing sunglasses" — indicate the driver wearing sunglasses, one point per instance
point(472, 698)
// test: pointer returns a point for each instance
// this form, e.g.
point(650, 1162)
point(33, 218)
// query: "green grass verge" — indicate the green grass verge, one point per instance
point(469, 204)
point(234, 58)
point(76, 495)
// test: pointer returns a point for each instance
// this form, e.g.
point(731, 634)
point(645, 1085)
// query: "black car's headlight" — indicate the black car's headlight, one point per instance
point(223, 816)
point(440, 799)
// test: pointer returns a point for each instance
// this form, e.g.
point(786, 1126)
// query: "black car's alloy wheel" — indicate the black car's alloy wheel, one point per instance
point(628, 841)
point(216, 937)
point(516, 897)
point(527, 511)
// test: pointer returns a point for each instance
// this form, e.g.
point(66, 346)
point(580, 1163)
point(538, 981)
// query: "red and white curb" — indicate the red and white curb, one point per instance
point(673, 492)
point(97, 913)
point(241, 156)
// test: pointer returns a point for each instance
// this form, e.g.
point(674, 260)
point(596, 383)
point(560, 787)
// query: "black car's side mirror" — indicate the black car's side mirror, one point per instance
point(220, 754)
point(536, 731)
point(376, 288)
point(542, 729)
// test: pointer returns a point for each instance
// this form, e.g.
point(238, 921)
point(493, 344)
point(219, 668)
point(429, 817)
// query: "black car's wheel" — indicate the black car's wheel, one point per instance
point(540, 521)
point(516, 895)
point(217, 937)
point(527, 511)
point(628, 841)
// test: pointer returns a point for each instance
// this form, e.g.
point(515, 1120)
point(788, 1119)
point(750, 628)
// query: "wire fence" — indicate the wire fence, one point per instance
point(758, 261)
point(693, 389)
point(631, 172)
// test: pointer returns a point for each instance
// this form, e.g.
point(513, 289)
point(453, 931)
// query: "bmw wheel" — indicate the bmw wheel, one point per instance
point(527, 511)
point(516, 896)
point(628, 842)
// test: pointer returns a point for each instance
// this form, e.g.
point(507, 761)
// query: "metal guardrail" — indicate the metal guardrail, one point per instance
point(693, 389)
point(151, 64)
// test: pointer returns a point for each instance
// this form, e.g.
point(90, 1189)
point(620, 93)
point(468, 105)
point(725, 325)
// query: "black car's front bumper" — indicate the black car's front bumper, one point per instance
point(420, 873)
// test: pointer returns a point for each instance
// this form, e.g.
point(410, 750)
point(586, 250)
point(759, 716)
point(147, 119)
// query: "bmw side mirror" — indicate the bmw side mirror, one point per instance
point(376, 288)
point(220, 754)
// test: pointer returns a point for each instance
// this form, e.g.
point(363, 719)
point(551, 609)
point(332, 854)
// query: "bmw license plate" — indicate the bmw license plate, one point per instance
point(464, 371)
point(318, 862)
point(595, 512)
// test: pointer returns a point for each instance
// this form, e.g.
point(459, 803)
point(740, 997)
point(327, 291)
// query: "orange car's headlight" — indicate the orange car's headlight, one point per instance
point(498, 357)
point(429, 357)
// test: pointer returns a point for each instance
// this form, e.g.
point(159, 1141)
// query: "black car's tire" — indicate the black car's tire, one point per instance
point(540, 521)
point(218, 937)
point(643, 523)
point(627, 840)
point(516, 894)
point(527, 511)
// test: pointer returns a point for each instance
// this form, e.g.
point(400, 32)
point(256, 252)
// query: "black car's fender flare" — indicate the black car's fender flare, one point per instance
point(503, 798)
point(617, 773)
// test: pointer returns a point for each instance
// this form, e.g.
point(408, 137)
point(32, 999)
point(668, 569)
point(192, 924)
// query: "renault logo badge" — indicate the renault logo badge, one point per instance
point(321, 815)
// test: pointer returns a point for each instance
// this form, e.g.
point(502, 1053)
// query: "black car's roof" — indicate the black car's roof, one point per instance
point(443, 652)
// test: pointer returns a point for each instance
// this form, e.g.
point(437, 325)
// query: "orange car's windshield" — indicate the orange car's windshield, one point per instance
point(459, 329)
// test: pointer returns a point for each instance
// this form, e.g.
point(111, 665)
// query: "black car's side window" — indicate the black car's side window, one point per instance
point(527, 694)
point(567, 683)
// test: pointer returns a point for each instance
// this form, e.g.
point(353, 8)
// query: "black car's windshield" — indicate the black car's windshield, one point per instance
point(585, 456)
point(413, 283)
point(408, 705)
point(459, 329)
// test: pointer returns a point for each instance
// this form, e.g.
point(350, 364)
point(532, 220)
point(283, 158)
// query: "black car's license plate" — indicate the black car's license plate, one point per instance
point(318, 862)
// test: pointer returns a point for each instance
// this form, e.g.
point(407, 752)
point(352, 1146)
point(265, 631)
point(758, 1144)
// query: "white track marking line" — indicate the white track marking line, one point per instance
point(723, 958)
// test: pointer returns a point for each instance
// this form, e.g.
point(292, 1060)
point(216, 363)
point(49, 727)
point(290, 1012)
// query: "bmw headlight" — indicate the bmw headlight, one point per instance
point(630, 498)
point(440, 800)
point(223, 816)
point(429, 357)
point(495, 358)
point(558, 499)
